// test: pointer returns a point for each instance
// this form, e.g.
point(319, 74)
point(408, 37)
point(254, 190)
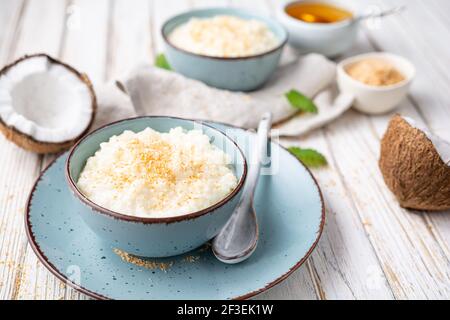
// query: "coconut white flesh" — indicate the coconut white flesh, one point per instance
point(442, 147)
point(44, 100)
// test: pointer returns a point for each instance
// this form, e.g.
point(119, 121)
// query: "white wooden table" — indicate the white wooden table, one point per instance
point(371, 248)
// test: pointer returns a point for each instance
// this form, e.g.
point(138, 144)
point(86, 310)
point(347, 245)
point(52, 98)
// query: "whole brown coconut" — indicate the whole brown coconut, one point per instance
point(413, 169)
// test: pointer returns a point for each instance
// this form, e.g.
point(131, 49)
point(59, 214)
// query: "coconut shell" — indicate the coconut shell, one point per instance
point(413, 169)
point(29, 143)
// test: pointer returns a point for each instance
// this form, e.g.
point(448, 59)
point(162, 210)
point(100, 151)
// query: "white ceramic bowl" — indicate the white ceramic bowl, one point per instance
point(373, 99)
point(329, 39)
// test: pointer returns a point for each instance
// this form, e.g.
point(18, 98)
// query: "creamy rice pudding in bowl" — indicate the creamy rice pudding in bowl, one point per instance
point(227, 48)
point(156, 186)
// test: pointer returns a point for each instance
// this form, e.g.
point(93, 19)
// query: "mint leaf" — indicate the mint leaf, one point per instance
point(300, 101)
point(161, 62)
point(310, 157)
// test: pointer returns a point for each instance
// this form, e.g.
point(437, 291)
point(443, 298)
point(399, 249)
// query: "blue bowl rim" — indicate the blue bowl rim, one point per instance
point(146, 220)
point(257, 16)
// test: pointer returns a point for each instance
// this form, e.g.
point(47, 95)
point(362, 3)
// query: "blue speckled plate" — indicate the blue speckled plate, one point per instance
point(290, 211)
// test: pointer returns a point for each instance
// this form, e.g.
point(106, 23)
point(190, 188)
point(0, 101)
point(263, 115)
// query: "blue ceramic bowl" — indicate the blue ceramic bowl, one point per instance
point(154, 237)
point(236, 74)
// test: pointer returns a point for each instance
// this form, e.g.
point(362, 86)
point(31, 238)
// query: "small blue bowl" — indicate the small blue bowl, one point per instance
point(236, 74)
point(154, 237)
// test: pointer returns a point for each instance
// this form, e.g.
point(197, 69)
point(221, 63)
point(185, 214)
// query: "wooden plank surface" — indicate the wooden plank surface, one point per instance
point(371, 248)
point(29, 37)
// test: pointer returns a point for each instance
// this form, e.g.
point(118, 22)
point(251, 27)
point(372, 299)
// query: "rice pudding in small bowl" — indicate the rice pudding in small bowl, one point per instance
point(156, 186)
point(227, 48)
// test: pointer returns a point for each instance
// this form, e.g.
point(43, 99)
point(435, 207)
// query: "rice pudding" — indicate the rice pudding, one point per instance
point(154, 174)
point(224, 36)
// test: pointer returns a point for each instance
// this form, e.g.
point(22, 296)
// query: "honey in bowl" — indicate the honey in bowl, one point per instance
point(317, 12)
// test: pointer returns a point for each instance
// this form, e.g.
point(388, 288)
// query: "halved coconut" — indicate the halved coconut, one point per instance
point(416, 165)
point(45, 105)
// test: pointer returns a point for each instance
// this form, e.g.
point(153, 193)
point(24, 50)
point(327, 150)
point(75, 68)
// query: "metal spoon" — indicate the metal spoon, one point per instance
point(238, 238)
point(379, 14)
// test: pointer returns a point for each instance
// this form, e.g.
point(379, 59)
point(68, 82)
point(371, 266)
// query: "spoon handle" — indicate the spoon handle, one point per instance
point(381, 14)
point(259, 155)
point(237, 240)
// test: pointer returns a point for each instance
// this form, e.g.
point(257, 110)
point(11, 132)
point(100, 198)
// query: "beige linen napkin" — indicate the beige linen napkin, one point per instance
point(155, 91)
